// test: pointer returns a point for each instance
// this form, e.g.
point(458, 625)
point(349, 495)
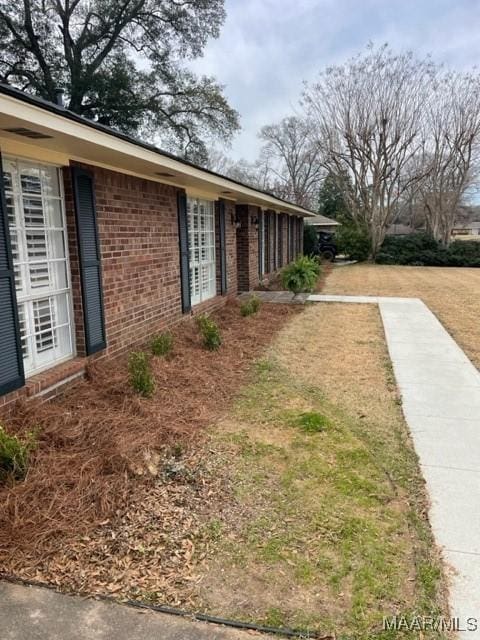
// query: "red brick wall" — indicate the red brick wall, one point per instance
point(247, 247)
point(138, 232)
point(231, 250)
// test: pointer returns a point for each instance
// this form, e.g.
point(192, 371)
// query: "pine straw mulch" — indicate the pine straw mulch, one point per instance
point(119, 487)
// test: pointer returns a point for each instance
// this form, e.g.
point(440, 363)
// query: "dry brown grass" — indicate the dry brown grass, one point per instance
point(327, 531)
point(453, 294)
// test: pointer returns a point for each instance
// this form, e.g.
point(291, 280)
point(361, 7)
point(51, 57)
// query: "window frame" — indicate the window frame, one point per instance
point(26, 295)
point(197, 297)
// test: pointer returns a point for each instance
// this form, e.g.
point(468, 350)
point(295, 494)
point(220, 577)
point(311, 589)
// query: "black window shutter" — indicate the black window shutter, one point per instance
point(184, 255)
point(275, 240)
point(90, 260)
point(280, 239)
point(260, 244)
point(11, 360)
point(223, 248)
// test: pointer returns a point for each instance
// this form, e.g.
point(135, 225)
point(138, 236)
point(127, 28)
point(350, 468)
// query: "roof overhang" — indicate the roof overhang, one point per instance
point(66, 137)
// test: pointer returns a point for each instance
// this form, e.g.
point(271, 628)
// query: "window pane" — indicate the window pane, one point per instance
point(61, 312)
point(30, 180)
point(62, 342)
point(53, 210)
point(23, 329)
point(9, 200)
point(33, 212)
point(43, 322)
point(39, 276)
point(50, 182)
point(58, 271)
point(36, 245)
point(57, 244)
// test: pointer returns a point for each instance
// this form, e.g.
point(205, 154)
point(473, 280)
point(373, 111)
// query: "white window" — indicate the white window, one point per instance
point(36, 219)
point(201, 243)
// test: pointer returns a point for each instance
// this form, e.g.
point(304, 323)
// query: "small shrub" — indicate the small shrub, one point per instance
point(313, 422)
point(301, 275)
point(14, 455)
point(210, 332)
point(353, 241)
point(141, 377)
point(250, 306)
point(162, 344)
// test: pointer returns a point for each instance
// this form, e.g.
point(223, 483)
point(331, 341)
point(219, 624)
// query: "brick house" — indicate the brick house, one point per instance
point(105, 240)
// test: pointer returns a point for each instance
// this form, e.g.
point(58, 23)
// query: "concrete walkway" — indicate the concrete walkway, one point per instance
point(440, 391)
point(34, 613)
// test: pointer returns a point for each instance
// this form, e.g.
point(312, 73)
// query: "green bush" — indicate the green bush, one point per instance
point(14, 455)
point(301, 275)
point(210, 332)
point(465, 252)
point(162, 344)
point(141, 377)
point(250, 306)
point(310, 240)
point(353, 241)
point(421, 249)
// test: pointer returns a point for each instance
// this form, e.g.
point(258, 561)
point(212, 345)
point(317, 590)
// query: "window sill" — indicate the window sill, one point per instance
point(54, 377)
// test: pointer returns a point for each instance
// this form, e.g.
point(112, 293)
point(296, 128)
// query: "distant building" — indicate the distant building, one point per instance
point(466, 229)
point(322, 223)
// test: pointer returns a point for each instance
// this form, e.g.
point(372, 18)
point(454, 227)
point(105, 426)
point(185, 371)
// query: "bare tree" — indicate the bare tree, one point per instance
point(451, 150)
point(368, 116)
point(291, 156)
point(256, 174)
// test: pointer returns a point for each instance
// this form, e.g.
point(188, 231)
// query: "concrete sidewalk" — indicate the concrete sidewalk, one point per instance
point(440, 391)
point(34, 613)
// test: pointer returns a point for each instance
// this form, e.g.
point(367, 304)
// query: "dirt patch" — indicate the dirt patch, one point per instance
point(453, 294)
point(102, 452)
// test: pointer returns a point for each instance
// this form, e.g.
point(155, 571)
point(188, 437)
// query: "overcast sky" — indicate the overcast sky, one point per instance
point(268, 47)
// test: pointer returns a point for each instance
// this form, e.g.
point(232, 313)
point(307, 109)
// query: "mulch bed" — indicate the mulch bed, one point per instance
point(119, 485)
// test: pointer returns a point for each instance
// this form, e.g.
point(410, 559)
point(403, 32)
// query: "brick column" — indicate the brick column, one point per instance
point(247, 247)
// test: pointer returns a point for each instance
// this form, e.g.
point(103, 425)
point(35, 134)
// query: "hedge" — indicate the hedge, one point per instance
point(421, 249)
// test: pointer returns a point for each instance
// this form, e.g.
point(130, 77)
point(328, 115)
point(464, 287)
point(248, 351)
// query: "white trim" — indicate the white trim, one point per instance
point(202, 249)
point(29, 298)
point(79, 133)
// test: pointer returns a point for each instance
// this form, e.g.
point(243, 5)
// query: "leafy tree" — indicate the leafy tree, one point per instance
point(119, 64)
point(332, 201)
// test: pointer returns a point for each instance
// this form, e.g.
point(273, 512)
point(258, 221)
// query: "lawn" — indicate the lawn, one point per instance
point(298, 503)
point(326, 529)
point(453, 294)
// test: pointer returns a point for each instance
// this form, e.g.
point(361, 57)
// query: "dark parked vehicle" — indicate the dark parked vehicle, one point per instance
point(326, 247)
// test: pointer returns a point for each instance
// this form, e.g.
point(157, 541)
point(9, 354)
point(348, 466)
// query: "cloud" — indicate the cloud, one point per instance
point(267, 48)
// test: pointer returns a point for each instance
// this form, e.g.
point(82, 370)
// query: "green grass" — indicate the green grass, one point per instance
point(15, 454)
point(332, 506)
